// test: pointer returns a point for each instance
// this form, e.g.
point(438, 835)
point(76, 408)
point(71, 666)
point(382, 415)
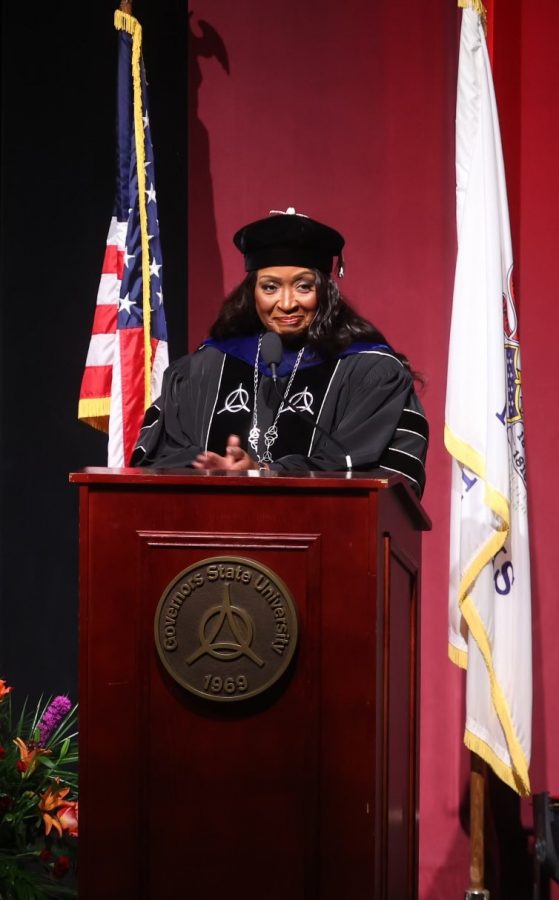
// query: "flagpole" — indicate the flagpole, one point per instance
point(478, 774)
point(128, 349)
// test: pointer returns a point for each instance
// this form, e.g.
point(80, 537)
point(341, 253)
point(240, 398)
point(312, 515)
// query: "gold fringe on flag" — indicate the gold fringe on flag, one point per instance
point(95, 411)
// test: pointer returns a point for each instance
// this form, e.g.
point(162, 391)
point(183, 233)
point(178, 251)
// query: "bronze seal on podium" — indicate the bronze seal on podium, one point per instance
point(226, 628)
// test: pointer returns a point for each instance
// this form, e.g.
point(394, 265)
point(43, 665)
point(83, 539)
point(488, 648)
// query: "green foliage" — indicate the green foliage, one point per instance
point(38, 799)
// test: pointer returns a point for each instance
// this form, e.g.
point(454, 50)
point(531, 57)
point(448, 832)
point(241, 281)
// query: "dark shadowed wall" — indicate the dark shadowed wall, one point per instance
point(58, 67)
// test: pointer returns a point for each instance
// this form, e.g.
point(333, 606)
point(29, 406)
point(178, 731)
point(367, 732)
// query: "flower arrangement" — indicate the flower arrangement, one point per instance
point(38, 799)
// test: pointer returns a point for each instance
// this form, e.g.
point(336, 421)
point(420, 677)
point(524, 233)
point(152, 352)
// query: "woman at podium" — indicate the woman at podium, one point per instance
point(291, 377)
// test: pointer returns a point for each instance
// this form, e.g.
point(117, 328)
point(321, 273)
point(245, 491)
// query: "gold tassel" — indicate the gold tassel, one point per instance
point(126, 22)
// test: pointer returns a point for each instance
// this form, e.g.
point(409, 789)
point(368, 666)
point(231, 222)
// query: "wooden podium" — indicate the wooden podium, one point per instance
point(309, 790)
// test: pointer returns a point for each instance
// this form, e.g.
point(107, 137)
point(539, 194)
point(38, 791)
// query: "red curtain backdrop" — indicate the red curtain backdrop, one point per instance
point(347, 114)
point(537, 152)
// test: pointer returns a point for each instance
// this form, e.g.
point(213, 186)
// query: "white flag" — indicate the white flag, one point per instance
point(490, 619)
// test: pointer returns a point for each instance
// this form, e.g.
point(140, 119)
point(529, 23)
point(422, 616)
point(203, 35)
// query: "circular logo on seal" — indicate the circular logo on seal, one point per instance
point(226, 628)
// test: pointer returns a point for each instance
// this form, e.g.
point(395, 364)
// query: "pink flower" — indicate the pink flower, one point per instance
point(67, 815)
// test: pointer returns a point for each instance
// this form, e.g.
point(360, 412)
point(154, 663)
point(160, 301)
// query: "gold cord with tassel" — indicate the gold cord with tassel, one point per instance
point(125, 22)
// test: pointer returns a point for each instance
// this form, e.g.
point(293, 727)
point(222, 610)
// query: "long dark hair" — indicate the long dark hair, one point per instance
point(335, 326)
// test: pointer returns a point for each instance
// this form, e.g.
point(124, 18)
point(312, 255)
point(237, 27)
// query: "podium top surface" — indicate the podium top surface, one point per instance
point(263, 479)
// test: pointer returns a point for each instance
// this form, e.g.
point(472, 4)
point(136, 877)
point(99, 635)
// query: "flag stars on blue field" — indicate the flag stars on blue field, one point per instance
point(154, 268)
point(146, 120)
point(150, 194)
point(128, 256)
point(125, 303)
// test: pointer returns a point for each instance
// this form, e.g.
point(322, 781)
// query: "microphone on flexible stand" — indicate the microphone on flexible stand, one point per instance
point(271, 350)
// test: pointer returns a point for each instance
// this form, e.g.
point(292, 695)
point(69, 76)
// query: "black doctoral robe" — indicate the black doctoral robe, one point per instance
point(364, 399)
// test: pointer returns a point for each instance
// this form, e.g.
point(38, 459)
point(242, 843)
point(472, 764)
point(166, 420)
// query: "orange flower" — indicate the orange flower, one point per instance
point(53, 797)
point(4, 689)
point(28, 759)
point(65, 816)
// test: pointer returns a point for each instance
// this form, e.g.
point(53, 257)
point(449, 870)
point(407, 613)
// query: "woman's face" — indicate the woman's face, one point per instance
point(286, 300)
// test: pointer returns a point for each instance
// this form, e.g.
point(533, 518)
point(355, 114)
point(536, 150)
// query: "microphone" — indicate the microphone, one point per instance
point(271, 350)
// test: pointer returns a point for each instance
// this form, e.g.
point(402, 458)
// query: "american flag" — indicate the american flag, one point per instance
point(128, 348)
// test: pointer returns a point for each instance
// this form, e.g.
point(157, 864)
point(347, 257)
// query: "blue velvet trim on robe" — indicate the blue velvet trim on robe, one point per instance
point(244, 348)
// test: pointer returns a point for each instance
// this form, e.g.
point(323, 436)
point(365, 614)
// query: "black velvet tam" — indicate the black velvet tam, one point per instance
point(288, 239)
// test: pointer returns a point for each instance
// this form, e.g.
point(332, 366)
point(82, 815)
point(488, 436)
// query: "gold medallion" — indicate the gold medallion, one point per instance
point(226, 628)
